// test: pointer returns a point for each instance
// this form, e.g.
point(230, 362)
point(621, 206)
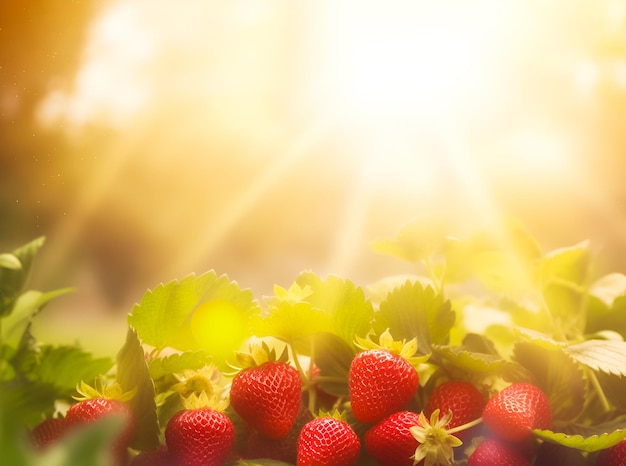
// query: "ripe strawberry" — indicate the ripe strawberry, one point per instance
point(461, 398)
point(284, 449)
point(47, 432)
point(199, 437)
point(92, 409)
point(612, 456)
point(493, 452)
point(327, 441)
point(268, 397)
point(518, 409)
point(390, 442)
point(380, 383)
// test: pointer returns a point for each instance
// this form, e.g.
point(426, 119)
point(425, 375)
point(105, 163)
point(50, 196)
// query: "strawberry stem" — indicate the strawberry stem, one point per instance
point(598, 389)
point(465, 426)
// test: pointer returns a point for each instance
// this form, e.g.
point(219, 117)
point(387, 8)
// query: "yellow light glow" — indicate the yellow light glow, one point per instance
point(218, 326)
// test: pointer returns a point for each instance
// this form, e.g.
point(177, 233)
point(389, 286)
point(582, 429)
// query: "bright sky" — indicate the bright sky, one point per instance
point(456, 102)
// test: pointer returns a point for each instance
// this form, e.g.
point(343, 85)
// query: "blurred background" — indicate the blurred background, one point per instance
point(149, 139)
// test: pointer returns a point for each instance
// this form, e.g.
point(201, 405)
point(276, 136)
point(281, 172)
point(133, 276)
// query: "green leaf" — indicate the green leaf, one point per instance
point(502, 271)
point(345, 304)
point(133, 374)
point(333, 357)
point(292, 322)
point(178, 362)
point(12, 279)
point(569, 264)
point(206, 312)
point(592, 438)
point(606, 356)
point(415, 241)
point(413, 310)
point(65, 366)
point(26, 306)
point(459, 361)
point(10, 261)
point(557, 374)
point(602, 317)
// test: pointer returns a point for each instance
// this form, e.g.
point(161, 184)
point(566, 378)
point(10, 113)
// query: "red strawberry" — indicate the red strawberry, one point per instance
point(284, 449)
point(267, 397)
point(492, 452)
point(461, 398)
point(327, 441)
point(518, 409)
point(47, 432)
point(199, 437)
point(93, 409)
point(380, 383)
point(390, 442)
point(613, 456)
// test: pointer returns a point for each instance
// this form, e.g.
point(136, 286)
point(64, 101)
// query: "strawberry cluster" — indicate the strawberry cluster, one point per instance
point(263, 414)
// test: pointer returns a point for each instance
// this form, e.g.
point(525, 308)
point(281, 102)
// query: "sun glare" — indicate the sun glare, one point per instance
point(368, 109)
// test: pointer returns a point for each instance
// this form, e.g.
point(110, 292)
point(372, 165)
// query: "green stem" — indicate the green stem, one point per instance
point(599, 391)
point(465, 426)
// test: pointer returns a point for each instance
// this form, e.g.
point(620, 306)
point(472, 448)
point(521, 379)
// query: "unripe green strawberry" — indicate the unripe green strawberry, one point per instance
point(199, 437)
point(494, 452)
point(613, 456)
point(461, 398)
point(268, 397)
point(47, 432)
point(380, 383)
point(390, 442)
point(516, 410)
point(327, 441)
point(93, 409)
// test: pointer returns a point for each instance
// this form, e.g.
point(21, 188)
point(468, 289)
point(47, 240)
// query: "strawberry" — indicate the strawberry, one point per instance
point(47, 432)
point(92, 409)
point(390, 442)
point(199, 437)
point(461, 398)
point(284, 449)
point(612, 456)
point(494, 452)
point(516, 410)
point(267, 394)
point(382, 379)
point(327, 441)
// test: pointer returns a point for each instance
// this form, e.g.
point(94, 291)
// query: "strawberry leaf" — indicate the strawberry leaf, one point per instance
point(12, 277)
point(458, 361)
point(413, 310)
point(333, 357)
point(292, 322)
point(65, 366)
point(557, 375)
point(26, 306)
point(606, 356)
point(178, 362)
point(345, 304)
point(588, 438)
point(206, 312)
point(133, 374)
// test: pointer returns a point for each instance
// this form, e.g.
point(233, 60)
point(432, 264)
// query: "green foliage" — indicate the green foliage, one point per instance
point(133, 374)
point(491, 309)
point(164, 316)
point(413, 310)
